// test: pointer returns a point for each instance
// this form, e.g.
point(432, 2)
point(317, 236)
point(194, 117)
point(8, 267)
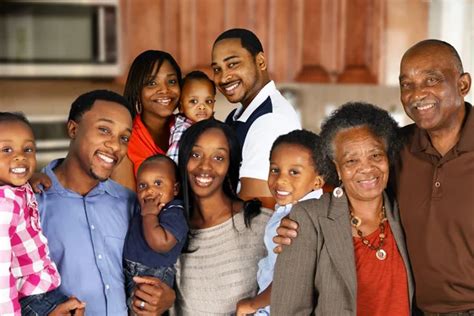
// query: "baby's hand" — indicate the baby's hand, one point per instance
point(39, 179)
point(150, 205)
point(70, 307)
point(244, 307)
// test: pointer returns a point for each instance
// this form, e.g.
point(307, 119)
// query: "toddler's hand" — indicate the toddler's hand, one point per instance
point(39, 179)
point(70, 307)
point(244, 307)
point(151, 206)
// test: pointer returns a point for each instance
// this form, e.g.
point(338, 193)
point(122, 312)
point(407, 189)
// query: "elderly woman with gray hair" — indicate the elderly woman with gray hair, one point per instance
point(349, 257)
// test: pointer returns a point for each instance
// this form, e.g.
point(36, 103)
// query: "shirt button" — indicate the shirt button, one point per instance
point(92, 227)
point(107, 287)
point(437, 184)
point(99, 256)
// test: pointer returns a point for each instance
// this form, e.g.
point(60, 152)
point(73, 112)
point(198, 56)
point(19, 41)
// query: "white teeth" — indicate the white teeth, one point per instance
point(204, 180)
point(425, 107)
point(368, 181)
point(232, 87)
point(284, 193)
point(105, 158)
point(164, 101)
point(18, 170)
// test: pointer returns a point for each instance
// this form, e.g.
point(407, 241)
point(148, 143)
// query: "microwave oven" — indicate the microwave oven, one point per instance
point(59, 38)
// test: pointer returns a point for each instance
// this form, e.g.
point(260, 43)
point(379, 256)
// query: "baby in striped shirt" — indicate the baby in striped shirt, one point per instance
point(198, 95)
point(28, 278)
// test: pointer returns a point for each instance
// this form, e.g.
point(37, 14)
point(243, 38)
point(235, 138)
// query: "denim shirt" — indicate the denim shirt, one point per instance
point(267, 264)
point(86, 236)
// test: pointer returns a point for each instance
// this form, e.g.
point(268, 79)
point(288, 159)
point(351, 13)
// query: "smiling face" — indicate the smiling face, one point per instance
point(100, 139)
point(361, 162)
point(160, 93)
point(292, 173)
point(156, 179)
point(238, 74)
point(208, 163)
point(432, 89)
point(17, 153)
point(197, 99)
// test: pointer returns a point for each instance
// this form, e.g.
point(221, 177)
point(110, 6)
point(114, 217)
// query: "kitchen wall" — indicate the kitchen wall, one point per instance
point(42, 99)
point(321, 53)
point(326, 53)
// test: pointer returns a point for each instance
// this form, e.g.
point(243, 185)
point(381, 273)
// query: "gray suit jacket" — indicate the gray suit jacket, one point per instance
point(317, 273)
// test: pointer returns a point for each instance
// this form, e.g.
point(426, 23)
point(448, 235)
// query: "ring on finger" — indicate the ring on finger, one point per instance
point(142, 305)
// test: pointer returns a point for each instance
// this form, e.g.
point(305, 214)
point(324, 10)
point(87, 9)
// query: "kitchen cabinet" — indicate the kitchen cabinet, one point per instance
point(304, 40)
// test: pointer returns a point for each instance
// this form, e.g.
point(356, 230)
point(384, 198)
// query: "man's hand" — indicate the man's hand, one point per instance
point(152, 296)
point(287, 231)
point(70, 307)
point(39, 179)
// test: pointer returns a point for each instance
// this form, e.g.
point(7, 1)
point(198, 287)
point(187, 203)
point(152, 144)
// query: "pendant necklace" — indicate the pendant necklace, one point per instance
point(379, 252)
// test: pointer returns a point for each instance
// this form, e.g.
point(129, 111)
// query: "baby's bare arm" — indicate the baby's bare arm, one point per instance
point(157, 238)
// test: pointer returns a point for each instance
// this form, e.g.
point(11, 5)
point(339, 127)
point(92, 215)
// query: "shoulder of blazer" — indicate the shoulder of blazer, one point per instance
point(314, 207)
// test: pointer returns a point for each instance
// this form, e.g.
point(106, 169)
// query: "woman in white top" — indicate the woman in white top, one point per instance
point(226, 237)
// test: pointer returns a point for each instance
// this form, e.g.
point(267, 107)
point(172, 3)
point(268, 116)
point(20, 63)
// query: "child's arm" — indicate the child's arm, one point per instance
point(54, 303)
point(157, 238)
point(40, 181)
point(70, 307)
point(251, 305)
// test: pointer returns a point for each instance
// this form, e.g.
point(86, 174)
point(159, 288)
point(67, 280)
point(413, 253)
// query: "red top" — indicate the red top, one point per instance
point(382, 286)
point(142, 145)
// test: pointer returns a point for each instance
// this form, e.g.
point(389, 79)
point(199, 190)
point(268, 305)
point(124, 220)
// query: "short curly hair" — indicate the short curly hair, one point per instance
point(14, 117)
point(85, 101)
point(305, 139)
point(248, 40)
point(198, 75)
point(353, 115)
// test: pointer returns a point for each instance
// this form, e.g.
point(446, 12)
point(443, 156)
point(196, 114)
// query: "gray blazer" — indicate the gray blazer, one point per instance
point(317, 273)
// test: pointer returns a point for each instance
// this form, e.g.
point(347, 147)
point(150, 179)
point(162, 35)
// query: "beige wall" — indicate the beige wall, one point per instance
point(407, 23)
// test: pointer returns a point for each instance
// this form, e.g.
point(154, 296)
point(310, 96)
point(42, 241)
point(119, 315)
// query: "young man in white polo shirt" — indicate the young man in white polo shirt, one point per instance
point(240, 73)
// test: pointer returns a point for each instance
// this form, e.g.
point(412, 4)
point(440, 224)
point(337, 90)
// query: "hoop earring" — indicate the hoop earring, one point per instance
point(138, 107)
point(338, 191)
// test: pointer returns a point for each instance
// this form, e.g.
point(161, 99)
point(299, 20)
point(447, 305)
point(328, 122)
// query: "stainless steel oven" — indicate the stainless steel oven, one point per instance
point(52, 141)
point(59, 38)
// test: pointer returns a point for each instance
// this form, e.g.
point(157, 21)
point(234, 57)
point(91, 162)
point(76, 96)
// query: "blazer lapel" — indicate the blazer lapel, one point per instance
point(337, 235)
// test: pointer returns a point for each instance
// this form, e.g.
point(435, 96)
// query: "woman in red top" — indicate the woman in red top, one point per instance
point(349, 257)
point(153, 90)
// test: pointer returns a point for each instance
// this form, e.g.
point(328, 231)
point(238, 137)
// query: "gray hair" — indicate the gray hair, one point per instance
point(358, 114)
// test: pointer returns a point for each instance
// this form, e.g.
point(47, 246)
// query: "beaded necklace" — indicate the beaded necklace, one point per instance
point(379, 252)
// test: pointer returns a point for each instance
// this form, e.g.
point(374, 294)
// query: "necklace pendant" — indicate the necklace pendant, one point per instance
point(381, 254)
